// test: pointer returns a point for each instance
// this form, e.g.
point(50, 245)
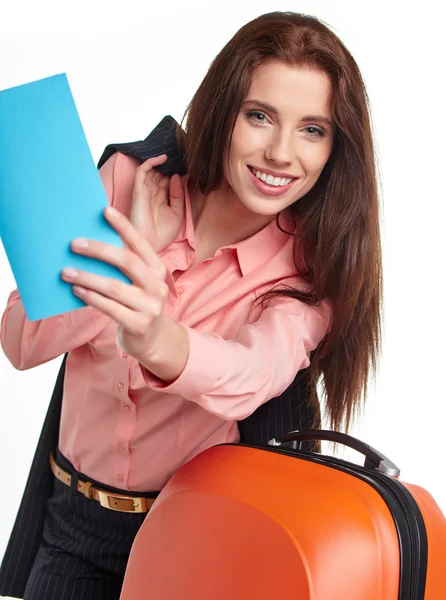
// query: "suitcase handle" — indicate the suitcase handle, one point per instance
point(374, 459)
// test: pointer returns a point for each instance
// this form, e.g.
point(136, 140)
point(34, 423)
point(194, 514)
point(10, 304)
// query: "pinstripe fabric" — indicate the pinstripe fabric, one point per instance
point(289, 411)
point(84, 549)
point(162, 140)
point(27, 531)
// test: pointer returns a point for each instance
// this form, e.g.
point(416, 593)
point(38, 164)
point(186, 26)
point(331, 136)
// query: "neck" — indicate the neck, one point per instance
point(220, 219)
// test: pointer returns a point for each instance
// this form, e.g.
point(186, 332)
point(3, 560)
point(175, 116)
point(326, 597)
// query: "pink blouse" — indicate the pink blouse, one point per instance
point(125, 428)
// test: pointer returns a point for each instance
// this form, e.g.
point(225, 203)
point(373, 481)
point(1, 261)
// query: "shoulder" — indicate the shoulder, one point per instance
point(319, 317)
point(120, 168)
point(118, 177)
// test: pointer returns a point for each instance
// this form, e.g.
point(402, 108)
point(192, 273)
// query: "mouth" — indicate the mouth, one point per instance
point(271, 185)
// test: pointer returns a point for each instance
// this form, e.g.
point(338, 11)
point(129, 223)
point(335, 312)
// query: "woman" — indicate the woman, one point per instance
point(267, 253)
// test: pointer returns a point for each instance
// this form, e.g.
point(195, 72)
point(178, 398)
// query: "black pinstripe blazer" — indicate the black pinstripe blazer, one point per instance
point(289, 411)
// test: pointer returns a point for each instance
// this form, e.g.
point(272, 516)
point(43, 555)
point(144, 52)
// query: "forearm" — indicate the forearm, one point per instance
point(168, 355)
point(28, 344)
point(231, 378)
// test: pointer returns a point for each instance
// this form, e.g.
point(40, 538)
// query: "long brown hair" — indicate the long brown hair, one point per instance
point(337, 250)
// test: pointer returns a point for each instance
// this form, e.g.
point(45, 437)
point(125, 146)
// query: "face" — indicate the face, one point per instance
point(282, 139)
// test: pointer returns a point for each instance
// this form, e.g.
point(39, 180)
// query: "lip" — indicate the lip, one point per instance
point(269, 190)
point(280, 174)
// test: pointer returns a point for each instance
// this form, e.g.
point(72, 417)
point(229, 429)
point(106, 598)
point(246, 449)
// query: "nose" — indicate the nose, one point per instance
point(280, 149)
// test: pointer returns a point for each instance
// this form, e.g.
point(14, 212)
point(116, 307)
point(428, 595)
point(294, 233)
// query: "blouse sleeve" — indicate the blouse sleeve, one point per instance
point(232, 378)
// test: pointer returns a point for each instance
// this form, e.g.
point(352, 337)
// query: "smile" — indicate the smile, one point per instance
point(270, 179)
point(269, 184)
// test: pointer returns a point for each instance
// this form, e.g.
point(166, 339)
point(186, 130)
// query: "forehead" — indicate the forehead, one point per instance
point(292, 90)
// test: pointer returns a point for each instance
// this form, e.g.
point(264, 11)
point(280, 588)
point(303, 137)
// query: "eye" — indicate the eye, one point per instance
point(257, 116)
point(314, 131)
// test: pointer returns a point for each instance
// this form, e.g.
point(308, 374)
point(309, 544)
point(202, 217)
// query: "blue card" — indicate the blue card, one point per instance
point(50, 193)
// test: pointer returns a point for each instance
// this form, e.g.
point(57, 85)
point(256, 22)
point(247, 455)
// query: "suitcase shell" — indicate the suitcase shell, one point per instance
point(240, 522)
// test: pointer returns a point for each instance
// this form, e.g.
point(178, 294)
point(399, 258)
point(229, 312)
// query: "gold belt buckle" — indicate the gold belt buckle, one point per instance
point(122, 503)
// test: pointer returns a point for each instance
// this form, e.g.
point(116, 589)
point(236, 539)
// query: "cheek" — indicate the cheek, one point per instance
point(233, 164)
point(317, 159)
point(246, 143)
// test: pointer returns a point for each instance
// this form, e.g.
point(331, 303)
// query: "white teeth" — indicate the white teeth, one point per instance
point(270, 180)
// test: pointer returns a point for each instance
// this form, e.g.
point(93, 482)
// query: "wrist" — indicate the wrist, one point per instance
point(168, 352)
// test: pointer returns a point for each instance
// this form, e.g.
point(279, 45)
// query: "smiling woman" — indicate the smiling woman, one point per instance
point(285, 99)
point(275, 138)
point(262, 261)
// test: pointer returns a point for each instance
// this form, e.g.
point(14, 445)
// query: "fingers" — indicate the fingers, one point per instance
point(154, 161)
point(146, 172)
point(135, 260)
point(136, 242)
point(131, 296)
point(176, 194)
point(134, 322)
point(147, 166)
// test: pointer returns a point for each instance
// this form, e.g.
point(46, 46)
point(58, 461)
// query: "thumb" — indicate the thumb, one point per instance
point(176, 195)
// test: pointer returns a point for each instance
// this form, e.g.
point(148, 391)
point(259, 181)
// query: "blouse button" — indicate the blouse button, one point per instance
point(180, 290)
point(124, 355)
point(120, 447)
point(120, 477)
point(121, 387)
point(127, 409)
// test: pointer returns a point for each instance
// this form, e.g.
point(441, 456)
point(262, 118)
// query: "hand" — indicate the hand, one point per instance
point(137, 308)
point(158, 204)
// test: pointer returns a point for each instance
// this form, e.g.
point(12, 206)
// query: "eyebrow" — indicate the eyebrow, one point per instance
point(274, 111)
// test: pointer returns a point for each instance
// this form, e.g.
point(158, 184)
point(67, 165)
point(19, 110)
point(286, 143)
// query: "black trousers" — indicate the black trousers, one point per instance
point(85, 547)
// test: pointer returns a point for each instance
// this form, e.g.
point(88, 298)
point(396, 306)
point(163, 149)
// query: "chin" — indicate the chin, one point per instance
point(265, 207)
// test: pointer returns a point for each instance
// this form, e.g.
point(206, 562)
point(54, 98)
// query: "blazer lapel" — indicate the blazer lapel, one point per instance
point(162, 140)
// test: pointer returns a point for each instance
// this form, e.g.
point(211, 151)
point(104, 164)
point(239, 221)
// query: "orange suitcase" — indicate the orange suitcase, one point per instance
point(240, 522)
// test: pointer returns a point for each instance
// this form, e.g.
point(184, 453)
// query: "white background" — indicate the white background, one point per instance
point(130, 63)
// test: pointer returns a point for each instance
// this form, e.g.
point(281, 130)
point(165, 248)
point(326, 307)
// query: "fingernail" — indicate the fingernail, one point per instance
point(111, 211)
point(79, 290)
point(68, 272)
point(79, 243)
